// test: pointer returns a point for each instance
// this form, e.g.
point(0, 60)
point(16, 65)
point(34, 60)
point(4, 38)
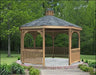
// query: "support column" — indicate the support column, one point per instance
point(22, 45)
point(53, 43)
point(34, 34)
point(79, 43)
point(79, 39)
point(34, 37)
point(70, 37)
point(43, 47)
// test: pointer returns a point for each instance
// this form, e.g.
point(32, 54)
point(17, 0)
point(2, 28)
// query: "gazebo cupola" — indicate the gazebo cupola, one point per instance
point(51, 25)
point(49, 12)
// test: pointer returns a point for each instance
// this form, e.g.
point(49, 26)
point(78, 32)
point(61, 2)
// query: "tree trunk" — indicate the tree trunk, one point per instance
point(9, 51)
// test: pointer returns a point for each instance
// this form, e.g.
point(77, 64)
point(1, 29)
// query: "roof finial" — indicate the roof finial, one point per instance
point(50, 12)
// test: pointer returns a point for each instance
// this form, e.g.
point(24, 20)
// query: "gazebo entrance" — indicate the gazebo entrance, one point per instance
point(52, 26)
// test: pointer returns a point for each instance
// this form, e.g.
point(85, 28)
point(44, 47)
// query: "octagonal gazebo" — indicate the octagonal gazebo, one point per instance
point(51, 25)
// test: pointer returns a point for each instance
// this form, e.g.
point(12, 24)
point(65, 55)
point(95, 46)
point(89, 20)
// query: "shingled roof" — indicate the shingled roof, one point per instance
point(49, 20)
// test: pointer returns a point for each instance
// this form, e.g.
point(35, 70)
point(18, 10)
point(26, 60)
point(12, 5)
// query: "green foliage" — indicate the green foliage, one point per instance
point(82, 60)
point(11, 69)
point(16, 13)
point(94, 73)
point(33, 71)
point(5, 69)
point(92, 64)
point(26, 67)
point(80, 65)
point(18, 57)
point(30, 67)
point(17, 69)
point(86, 68)
point(86, 61)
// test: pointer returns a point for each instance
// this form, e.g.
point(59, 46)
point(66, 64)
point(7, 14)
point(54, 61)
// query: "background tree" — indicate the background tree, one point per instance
point(16, 13)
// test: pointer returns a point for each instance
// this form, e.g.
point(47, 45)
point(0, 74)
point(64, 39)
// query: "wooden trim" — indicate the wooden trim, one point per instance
point(43, 47)
point(75, 61)
point(62, 27)
point(70, 37)
point(56, 30)
point(32, 27)
point(33, 50)
point(75, 49)
point(51, 27)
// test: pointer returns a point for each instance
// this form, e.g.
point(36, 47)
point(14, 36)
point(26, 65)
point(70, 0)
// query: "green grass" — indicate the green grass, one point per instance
point(14, 57)
point(9, 60)
point(88, 57)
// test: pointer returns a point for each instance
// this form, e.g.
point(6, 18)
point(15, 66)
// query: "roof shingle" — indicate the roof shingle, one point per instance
point(49, 20)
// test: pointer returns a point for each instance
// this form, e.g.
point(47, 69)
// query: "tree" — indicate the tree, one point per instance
point(16, 13)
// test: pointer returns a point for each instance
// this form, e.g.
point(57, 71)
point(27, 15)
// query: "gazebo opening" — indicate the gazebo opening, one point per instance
point(43, 45)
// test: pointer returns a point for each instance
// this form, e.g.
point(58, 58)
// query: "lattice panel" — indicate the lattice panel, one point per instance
point(33, 56)
point(75, 55)
point(58, 51)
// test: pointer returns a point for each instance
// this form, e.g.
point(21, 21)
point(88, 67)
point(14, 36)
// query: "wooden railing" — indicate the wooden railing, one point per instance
point(75, 55)
point(33, 56)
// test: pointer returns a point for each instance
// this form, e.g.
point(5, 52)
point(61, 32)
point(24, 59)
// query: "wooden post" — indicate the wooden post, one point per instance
point(34, 34)
point(43, 47)
point(22, 45)
point(53, 44)
point(34, 37)
point(70, 37)
point(79, 42)
point(79, 39)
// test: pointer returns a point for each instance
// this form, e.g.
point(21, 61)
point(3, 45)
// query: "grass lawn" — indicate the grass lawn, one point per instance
point(9, 60)
point(88, 57)
point(14, 57)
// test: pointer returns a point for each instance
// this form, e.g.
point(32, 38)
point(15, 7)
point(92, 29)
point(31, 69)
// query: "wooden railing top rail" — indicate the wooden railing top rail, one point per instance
point(75, 49)
point(34, 50)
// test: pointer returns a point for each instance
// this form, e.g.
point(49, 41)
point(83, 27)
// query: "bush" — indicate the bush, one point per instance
point(92, 64)
point(86, 61)
point(94, 73)
point(33, 71)
point(86, 68)
point(82, 60)
point(25, 67)
point(79, 65)
point(5, 69)
point(18, 57)
point(17, 69)
point(30, 67)
point(91, 70)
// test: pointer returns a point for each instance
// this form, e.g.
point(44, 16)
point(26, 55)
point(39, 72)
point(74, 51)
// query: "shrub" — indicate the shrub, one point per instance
point(33, 71)
point(79, 65)
point(17, 69)
point(82, 60)
point(86, 61)
point(91, 70)
point(30, 67)
point(94, 73)
point(25, 67)
point(92, 64)
point(86, 68)
point(18, 57)
point(5, 69)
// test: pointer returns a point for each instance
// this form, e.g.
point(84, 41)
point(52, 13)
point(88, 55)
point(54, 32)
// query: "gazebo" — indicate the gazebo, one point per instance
point(51, 25)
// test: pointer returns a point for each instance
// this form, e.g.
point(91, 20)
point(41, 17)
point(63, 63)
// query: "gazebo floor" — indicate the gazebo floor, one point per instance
point(53, 62)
